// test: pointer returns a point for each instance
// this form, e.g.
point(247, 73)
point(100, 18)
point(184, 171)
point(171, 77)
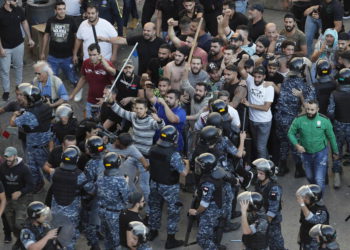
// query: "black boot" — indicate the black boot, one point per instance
point(171, 242)
point(299, 170)
point(229, 226)
point(282, 168)
point(236, 214)
point(152, 235)
point(95, 247)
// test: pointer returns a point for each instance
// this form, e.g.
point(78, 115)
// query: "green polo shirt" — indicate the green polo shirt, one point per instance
point(313, 134)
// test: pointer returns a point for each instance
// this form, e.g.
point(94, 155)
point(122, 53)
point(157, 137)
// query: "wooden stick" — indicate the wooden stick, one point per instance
point(195, 40)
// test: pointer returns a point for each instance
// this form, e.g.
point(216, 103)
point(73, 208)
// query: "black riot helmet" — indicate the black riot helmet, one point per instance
point(255, 200)
point(219, 106)
point(215, 119)
point(71, 155)
point(168, 136)
point(323, 68)
point(95, 145)
point(111, 160)
point(266, 166)
point(344, 76)
point(326, 232)
point(296, 66)
point(209, 135)
point(313, 191)
point(140, 230)
point(31, 92)
point(36, 208)
point(205, 163)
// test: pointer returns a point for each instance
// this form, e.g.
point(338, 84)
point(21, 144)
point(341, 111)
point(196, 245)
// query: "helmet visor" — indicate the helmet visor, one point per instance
point(315, 231)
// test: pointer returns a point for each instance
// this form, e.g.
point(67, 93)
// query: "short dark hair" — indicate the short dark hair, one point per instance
point(164, 79)
point(289, 15)
point(287, 43)
point(223, 93)
point(218, 40)
point(141, 101)
point(125, 139)
point(58, 3)
point(231, 4)
point(243, 27)
point(94, 46)
point(202, 84)
point(185, 50)
point(134, 197)
point(69, 138)
point(232, 67)
point(165, 46)
point(197, 57)
point(230, 47)
point(92, 6)
point(176, 92)
point(313, 101)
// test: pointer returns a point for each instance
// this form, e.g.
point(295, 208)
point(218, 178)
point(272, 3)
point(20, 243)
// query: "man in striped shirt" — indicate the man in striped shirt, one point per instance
point(144, 127)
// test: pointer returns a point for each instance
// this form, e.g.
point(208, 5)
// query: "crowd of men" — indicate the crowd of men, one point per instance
point(215, 97)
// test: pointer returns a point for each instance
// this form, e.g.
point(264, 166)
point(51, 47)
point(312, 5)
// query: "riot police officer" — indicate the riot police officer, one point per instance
point(210, 194)
point(294, 91)
point(313, 212)
point(65, 123)
point(36, 233)
point(94, 168)
point(338, 110)
point(326, 236)
point(112, 196)
point(166, 165)
point(271, 192)
point(67, 182)
point(254, 221)
point(324, 84)
point(36, 123)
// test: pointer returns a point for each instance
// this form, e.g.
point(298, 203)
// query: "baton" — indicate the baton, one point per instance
point(121, 70)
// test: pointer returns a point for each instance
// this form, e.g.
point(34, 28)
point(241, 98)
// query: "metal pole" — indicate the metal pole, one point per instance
point(121, 70)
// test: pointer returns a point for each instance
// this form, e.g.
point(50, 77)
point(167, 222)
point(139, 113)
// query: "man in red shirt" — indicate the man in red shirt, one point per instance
point(97, 72)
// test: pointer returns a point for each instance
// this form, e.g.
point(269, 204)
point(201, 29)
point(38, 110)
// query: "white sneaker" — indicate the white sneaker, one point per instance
point(78, 96)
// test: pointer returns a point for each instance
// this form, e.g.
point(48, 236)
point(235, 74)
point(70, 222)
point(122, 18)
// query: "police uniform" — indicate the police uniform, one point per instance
point(112, 195)
point(318, 215)
point(324, 86)
point(338, 109)
point(90, 219)
point(165, 165)
point(31, 234)
point(211, 195)
point(258, 224)
point(287, 108)
point(36, 122)
point(66, 199)
point(272, 198)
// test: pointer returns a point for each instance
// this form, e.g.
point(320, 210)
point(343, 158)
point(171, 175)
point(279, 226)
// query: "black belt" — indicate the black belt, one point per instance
point(40, 146)
point(111, 210)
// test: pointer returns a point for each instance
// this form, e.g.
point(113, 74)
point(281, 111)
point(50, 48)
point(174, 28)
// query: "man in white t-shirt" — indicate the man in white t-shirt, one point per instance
point(259, 102)
point(85, 35)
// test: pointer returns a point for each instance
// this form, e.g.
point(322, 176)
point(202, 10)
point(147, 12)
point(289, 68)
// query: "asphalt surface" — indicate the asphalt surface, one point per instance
point(337, 201)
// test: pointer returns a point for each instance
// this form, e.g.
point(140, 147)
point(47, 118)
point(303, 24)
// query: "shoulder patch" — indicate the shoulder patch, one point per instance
point(205, 190)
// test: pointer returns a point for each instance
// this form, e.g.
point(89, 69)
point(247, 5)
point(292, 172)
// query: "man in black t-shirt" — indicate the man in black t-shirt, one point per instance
point(12, 19)
point(156, 66)
point(235, 18)
point(61, 30)
point(256, 23)
point(148, 45)
point(167, 9)
point(137, 202)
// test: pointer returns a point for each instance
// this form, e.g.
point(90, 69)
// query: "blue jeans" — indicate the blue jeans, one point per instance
point(315, 166)
point(66, 64)
point(14, 55)
point(129, 7)
point(241, 6)
point(312, 25)
point(260, 133)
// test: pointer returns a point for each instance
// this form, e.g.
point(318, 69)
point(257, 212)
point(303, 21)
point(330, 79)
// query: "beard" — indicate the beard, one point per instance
point(258, 83)
point(195, 72)
point(311, 116)
point(289, 28)
point(179, 64)
point(213, 53)
point(197, 98)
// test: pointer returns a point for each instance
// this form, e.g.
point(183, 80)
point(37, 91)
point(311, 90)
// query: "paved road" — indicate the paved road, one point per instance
point(338, 201)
